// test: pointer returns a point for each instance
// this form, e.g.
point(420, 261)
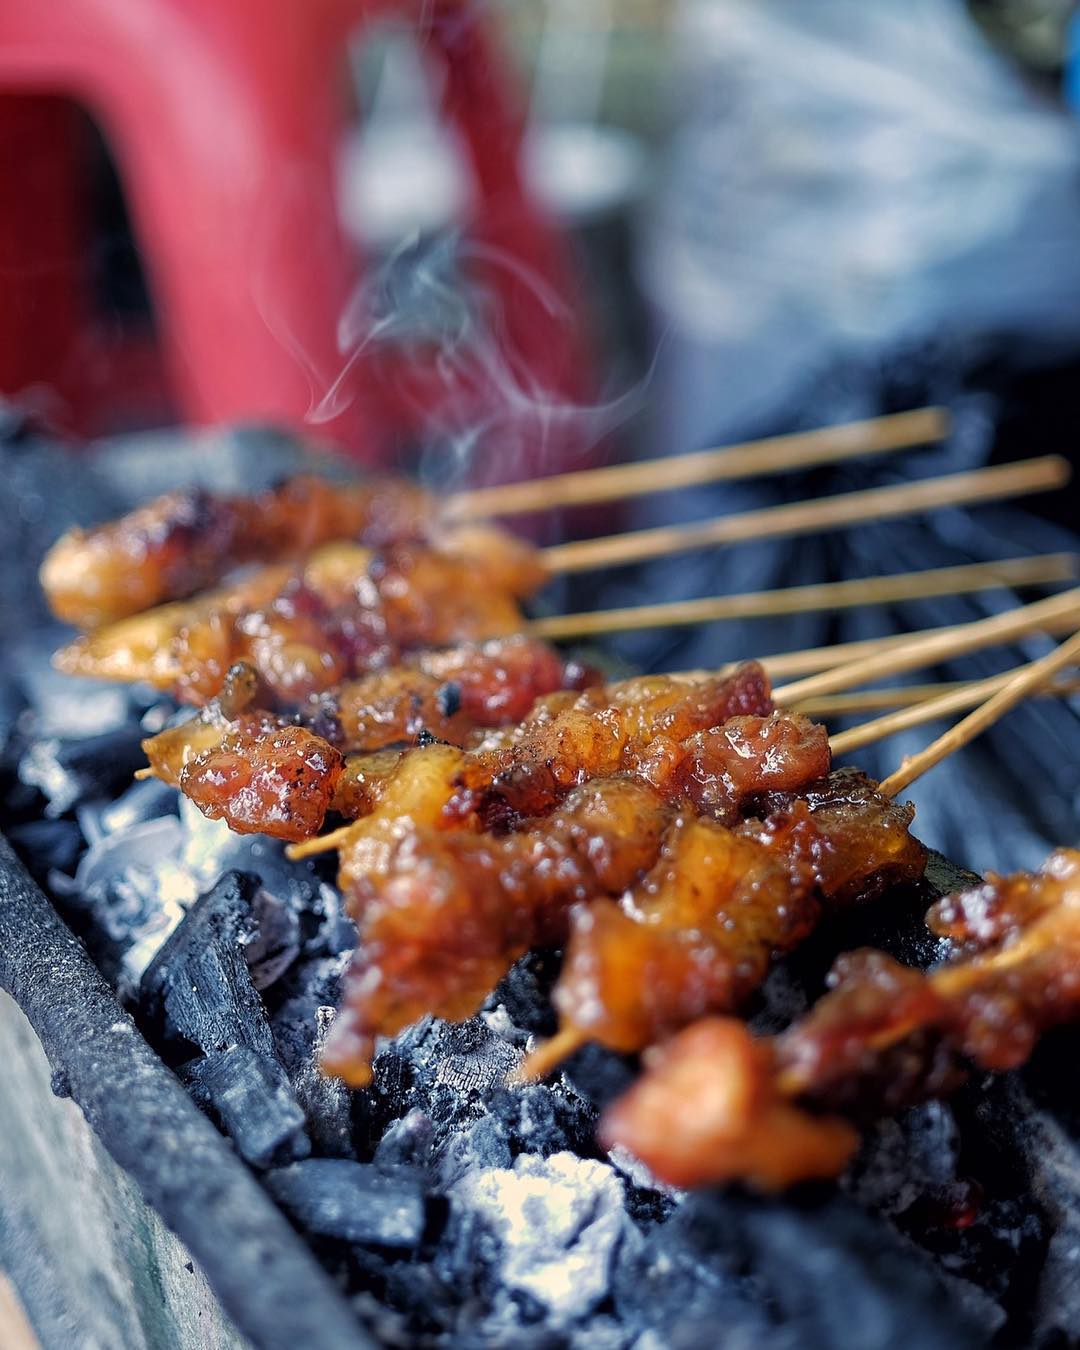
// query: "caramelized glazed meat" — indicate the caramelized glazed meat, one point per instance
point(706, 1110)
point(694, 936)
point(530, 772)
point(449, 694)
point(698, 934)
point(443, 914)
point(188, 540)
point(857, 842)
point(883, 1037)
point(635, 726)
point(346, 611)
point(279, 781)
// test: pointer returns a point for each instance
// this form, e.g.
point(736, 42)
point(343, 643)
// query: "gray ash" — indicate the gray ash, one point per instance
point(459, 1212)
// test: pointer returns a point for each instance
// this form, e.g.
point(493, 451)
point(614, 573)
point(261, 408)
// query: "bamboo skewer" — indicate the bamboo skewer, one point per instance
point(548, 1055)
point(957, 699)
point(940, 644)
point(811, 660)
point(828, 706)
point(984, 716)
point(961, 580)
point(1011, 689)
point(826, 513)
point(750, 459)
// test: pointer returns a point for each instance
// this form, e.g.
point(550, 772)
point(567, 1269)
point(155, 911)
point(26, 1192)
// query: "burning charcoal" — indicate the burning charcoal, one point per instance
point(276, 941)
point(353, 1201)
point(135, 891)
point(70, 771)
point(599, 1075)
point(251, 1096)
point(407, 1143)
point(211, 848)
point(300, 1026)
point(198, 988)
point(542, 1121)
point(466, 1056)
point(143, 801)
point(525, 993)
point(554, 1227)
point(483, 1145)
point(317, 985)
point(780, 1274)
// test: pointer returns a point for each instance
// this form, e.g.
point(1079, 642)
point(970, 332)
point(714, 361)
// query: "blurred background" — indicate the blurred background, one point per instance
point(480, 241)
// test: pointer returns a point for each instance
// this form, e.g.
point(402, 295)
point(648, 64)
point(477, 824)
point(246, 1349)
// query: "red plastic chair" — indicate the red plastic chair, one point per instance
point(225, 118)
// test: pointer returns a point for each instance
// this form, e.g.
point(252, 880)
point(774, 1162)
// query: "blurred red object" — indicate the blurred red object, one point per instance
point(225, 120)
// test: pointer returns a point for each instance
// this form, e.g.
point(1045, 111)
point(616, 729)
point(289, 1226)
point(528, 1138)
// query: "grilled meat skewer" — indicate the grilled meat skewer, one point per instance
point(779, 1110)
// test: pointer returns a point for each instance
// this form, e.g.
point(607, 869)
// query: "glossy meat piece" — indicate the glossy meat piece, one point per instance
point(188, 540)
point(857, 842)
point(634, 726)
point(699, 933)
point(443, 914)
point(447, 694)
point(696, 935)
point(279, 782)
point(345, 612)
point(706, 1110)
point(885, 1036)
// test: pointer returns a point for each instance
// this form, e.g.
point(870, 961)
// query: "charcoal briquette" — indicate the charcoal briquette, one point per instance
point(255, 1104)
point(198, 989)
point(355, 1202)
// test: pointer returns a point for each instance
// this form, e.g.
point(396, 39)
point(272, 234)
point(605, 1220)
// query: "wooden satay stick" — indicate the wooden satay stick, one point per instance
point(828, 706)
point(885, 590)
point(927, 710)
point(826, 513)
point(321, 843)
point(1017, 689)
point(941, 644)
point(810, 660)
point(549, 1054)
point(749, 459)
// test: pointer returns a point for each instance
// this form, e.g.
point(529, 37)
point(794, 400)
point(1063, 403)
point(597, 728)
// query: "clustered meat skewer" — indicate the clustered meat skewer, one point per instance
point(192, 538)
point(778, 1110)
point(345, 611)
point(523, 771)
point(279, 774)
point(187, 540)
point(444, 906)
point(675, 834)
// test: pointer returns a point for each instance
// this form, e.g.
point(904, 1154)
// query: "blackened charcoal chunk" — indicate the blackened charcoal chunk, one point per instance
point(539, 1120)
point(69, 771)
point(407, 1142)
point(251, 1096)
point(600, 1075)
point(198, 989)
point(356, 1202)
point(300, 1026)
point(47, 844)
point(525, 993)
point(276, 943)
point(828, 1275)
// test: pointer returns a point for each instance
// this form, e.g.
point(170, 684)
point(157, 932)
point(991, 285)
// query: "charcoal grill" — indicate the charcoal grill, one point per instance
point(477, 1215)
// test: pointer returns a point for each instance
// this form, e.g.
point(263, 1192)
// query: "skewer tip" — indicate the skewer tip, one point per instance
point(322, 843)
point(548, 1055)
point(148, 771)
